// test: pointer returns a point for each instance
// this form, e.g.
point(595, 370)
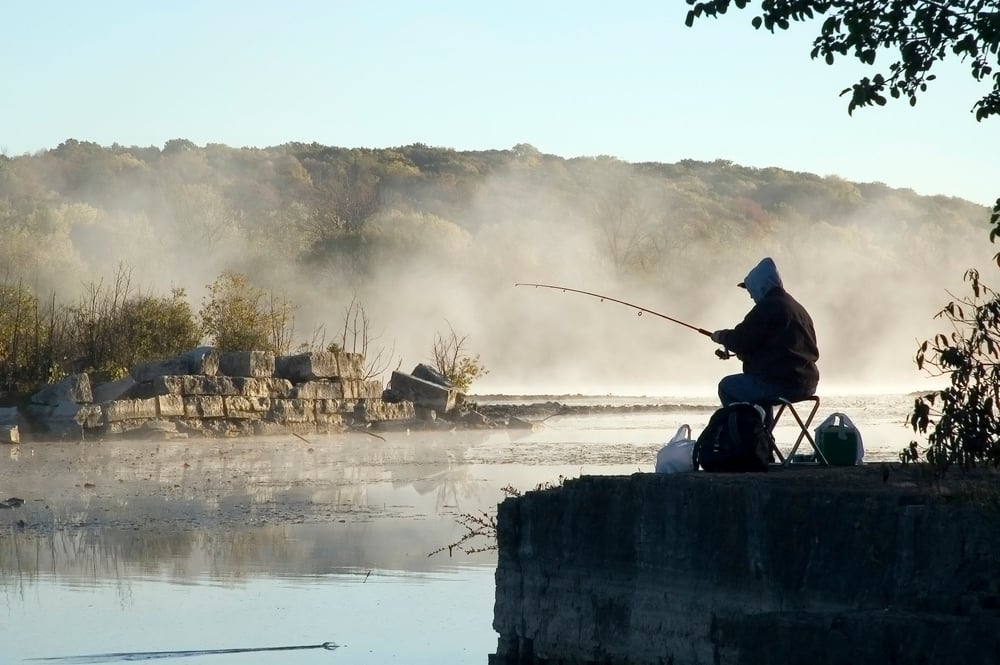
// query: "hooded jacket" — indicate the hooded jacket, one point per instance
point(776, 340)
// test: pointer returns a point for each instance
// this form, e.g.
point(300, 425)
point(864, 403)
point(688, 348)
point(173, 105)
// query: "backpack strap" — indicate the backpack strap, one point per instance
point(733, 428)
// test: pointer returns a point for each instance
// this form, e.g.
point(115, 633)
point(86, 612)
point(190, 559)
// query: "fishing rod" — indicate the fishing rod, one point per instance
point(157, 655)
point(704, 332)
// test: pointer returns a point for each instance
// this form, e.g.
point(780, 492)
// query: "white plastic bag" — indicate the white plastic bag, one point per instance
point(837, 434)
point(676, 456)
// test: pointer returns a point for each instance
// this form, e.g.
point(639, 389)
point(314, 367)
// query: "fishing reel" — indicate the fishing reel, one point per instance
point(723, 353)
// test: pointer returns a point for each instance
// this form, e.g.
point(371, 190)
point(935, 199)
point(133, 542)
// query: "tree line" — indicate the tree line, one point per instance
point(85, 226)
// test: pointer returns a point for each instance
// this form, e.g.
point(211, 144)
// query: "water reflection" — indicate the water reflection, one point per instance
point(213, 544)
point(367, 584)
point(413, 618)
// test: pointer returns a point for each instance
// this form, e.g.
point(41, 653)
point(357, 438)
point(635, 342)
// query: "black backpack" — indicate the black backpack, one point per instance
point(735, 439)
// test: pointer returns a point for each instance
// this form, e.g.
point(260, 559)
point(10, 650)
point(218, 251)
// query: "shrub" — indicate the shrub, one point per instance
point(157, 327)
point(112, 327)
point(238, 316)
point(961, 421)
point(451, 360)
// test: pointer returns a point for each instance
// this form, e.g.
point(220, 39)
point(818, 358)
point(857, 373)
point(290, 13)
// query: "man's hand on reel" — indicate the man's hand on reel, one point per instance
point(723, 353)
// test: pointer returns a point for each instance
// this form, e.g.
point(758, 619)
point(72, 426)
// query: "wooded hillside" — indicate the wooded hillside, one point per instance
point(430, 237)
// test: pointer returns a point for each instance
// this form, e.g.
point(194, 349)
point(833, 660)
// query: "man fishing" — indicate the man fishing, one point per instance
point(775, 341)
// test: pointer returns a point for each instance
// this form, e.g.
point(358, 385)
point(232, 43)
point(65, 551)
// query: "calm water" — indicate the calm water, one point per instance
point(337, 550)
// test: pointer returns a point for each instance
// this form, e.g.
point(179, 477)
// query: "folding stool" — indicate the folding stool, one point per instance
point(784, 404)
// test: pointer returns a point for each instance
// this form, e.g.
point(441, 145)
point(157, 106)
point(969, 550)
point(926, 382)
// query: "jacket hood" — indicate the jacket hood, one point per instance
point(761, 279)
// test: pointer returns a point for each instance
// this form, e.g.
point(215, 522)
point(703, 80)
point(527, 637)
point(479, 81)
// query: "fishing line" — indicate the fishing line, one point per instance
point(156, 655)
point(704, 332)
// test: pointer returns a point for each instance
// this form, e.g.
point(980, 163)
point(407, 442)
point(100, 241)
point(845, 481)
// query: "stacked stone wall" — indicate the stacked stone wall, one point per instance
point(223, 394)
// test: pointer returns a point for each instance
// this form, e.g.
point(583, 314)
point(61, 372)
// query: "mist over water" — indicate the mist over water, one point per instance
point(872, 301)
point(871, 280)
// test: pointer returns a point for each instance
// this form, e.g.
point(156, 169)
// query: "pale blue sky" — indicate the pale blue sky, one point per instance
point(626, 79)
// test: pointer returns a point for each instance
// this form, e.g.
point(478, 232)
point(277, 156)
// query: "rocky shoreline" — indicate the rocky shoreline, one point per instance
point(205, 394)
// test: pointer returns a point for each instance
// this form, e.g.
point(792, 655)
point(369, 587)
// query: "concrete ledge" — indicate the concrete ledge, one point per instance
point(792, 566)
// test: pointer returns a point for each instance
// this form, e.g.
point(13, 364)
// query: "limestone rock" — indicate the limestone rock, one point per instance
point(246, 407)
point(285, 411)
point(314, 365)
point(9, 434)
point(109, 390)
point(169, 406)
point(370, 410)
point(423, 394)
point(304, 367)
point(204, 406)
point(129, 409)
point(194, 385)
point(272, 387)
point(74, 388)
point(322, 389)
point(202, 360)
point(256, 364)
point(428, 373)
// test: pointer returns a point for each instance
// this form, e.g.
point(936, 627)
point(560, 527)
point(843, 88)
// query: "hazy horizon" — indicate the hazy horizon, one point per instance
point(627, 79)
point(872, 289)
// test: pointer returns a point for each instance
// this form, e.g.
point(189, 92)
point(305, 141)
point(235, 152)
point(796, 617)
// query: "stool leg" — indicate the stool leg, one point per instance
point(774, 444)
point(805, 434)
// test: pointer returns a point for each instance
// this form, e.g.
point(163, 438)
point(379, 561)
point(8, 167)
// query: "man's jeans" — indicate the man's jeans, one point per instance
point(749, 388)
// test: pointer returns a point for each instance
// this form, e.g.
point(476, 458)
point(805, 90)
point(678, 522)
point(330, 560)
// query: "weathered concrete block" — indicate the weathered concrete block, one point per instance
point(350, 389)
point(190, 384)
point(335, 405)
point(350, 365)
point(371, 389)
point(204, 406)
point(105, 392)
point(423, 393)
point(332, 411)
point(284, 411)
point(202, 360)
point(257, 364)
point(306, 366)
point(428, 373)
point(10, 434)
point(246, 407)
point(169, 406)
point(118, 410)
point(376, 409)
point(314, 365)
point(75, 388)
point(272, 387)
point(329, 419)
point(323, 389)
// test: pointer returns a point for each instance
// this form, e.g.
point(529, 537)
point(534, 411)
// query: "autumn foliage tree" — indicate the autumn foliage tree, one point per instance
point(239, 316)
